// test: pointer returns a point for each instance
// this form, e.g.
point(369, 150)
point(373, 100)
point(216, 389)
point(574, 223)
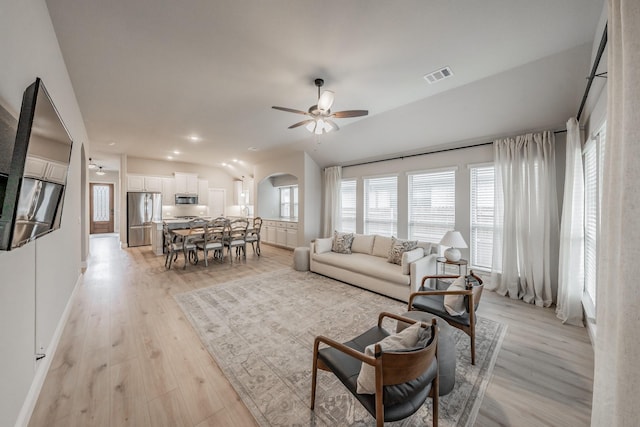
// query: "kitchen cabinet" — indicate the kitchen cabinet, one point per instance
point(280, 233)
point(46, 170)
point(168, 191)
point(281, 236)
point(186, 183)
point(144, 183)
point(203, 192)
point(292, 235)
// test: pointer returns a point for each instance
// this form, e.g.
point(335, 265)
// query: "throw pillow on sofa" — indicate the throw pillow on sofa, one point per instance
point(398, 247)
point(454, 304)
point(324, 245)
point(409, 257)
point(342, 242)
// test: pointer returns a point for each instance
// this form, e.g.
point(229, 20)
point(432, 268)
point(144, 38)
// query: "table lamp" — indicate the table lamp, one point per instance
point(454, 240)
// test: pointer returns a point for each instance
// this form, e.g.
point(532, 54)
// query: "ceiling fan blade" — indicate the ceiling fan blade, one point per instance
point(291, 110)
point(349, 113)
point(302, 123)
point(326, 101)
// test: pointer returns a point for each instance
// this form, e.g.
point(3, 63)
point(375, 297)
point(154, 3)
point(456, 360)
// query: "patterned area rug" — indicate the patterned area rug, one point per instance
point(260, 330)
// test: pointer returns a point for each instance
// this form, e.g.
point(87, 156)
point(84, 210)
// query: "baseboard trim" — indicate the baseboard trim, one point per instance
point(43, 367)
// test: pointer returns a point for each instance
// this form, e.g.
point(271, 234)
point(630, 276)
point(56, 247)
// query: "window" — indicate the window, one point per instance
point(289, 202)
point(381, 206)
point(432, 204)
point(593, 166)
point(348, 199)
point(482, 202)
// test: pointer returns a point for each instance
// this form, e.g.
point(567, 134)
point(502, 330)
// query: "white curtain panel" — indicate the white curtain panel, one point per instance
point(571, 260)
point(525, 264)
point(332, 199)
point(617, 349)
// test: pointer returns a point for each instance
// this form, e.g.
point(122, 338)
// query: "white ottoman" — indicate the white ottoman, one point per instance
point(301, 258)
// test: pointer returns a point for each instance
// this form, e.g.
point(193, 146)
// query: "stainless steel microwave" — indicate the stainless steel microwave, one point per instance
point(186, 199)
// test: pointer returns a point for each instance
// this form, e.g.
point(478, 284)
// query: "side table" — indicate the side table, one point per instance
point(444, 262)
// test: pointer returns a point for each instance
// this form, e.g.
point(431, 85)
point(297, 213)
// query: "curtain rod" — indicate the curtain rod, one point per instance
point(431, 152)
point(596, 62)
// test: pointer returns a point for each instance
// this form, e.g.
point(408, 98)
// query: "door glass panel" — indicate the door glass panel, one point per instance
point(101, 203)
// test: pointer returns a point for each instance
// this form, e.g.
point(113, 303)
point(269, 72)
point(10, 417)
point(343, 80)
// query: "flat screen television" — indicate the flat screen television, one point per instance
point(32, 188)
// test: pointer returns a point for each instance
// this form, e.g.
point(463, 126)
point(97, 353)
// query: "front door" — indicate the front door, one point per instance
point(101, 208)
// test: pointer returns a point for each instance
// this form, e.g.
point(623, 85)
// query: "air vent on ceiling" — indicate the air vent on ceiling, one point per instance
point(438, 75)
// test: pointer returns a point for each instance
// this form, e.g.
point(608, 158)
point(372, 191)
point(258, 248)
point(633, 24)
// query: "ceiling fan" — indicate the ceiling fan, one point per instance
point(320, 115)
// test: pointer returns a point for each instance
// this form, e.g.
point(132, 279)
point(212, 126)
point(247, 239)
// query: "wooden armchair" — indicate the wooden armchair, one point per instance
point(403, 379)
point(432, 301)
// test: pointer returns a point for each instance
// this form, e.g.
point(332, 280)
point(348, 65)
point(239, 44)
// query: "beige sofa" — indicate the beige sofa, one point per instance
point(367, 266)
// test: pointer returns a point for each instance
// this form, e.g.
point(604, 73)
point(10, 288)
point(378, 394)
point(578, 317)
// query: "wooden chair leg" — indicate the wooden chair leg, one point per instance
point(314, 374)
point(473, 347)
point(435, 390)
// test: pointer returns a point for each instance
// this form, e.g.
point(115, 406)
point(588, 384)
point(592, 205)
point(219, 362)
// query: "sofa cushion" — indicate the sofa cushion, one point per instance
point(342, 242)
point(454, 304)
point(362, 244)
point(324, 245)
point(409, 257)
point(381, 246)
point(398, 247)
point(406, 339)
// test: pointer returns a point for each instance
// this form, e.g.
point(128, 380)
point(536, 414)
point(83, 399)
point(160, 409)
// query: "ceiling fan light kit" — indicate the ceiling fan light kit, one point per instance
point(320, 114)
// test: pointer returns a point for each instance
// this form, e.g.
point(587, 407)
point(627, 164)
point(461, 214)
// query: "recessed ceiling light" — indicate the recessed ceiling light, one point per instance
point(235, 160)
point(176, 152)
point(170, 157)
point(224, 164)
point(194, 138)
point(112, 143)
point(253, 148)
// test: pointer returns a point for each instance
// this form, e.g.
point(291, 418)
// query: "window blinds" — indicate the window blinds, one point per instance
point(381, 206)
point(593, 167)
point(348, 199)
point(432, 204)
point(482, 214)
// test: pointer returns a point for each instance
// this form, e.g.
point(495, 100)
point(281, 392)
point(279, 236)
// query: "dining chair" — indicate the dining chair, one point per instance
point(253, 235)
point(172, 246)
point(213, 239)
point(235, 237)
point(195, 236)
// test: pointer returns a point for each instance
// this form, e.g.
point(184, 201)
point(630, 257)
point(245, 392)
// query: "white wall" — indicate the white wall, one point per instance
point(36, 281)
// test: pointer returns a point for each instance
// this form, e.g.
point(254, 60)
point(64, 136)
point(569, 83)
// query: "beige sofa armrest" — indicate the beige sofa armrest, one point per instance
point(420, 268)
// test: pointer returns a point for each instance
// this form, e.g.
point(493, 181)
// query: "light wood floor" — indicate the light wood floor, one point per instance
point(128, 357)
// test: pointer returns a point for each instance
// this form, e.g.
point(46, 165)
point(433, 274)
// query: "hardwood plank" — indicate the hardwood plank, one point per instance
point(169, 410)
point(128, 397)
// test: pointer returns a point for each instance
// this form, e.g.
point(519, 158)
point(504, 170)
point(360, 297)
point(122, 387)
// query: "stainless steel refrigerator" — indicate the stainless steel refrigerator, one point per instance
point(142, 209)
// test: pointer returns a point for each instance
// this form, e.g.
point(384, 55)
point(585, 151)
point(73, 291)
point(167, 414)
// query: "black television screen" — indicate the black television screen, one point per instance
point(33, 189)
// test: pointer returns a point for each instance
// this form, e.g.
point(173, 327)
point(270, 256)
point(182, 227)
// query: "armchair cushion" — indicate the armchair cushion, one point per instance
point(454, 304)
point(342, 242)
point(399, 247)
point(406, 339)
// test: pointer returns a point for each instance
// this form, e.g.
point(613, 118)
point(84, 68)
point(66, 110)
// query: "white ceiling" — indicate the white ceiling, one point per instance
point(148, 73)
